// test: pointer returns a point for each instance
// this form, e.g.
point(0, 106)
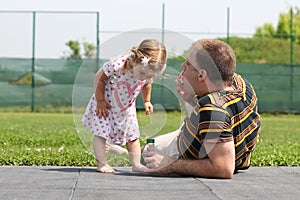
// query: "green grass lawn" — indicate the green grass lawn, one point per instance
point(279, 143)
point(52, 139)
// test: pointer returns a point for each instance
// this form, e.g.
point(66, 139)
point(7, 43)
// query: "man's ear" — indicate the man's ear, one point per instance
point(202, 74)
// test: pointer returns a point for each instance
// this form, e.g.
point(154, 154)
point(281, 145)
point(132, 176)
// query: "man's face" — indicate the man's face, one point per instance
point(189, 71)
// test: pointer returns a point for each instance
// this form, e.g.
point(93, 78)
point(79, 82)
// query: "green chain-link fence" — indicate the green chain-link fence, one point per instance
point(277, 86)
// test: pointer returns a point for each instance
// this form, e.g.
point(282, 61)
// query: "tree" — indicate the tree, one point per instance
point(266, 30)
point(75, 47)
point(89, 50)
point(283, 28)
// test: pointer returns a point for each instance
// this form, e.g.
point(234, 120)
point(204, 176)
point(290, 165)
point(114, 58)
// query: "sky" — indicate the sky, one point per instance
point(193, 19)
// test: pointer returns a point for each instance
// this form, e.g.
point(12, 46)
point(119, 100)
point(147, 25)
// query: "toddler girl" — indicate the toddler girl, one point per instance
point(111, 112)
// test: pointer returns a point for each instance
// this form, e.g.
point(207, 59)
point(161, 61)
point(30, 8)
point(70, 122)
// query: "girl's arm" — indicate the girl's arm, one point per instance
point(146, 95)
point(99, 87)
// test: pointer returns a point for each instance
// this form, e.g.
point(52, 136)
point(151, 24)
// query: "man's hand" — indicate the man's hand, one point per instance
point(158, 163)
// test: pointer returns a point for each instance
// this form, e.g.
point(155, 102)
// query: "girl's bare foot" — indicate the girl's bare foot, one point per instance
point(105, 169)
point(139, 168)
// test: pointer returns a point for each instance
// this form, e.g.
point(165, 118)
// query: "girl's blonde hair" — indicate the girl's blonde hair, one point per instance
point(150, 48)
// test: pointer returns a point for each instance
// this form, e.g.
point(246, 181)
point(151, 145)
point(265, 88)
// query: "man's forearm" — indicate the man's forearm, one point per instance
point(199, 168)
point(220, 162)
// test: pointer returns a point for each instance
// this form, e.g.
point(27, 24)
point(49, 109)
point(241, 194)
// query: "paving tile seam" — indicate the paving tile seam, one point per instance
point(138, 190)
point(75, 184)
point(209, 188)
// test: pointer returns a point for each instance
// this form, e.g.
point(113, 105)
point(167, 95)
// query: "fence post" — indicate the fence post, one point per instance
point(33, 63)
point(291, 56)
point(163, 41)
point(98, 42)
point(228, 25)
point(163, 24)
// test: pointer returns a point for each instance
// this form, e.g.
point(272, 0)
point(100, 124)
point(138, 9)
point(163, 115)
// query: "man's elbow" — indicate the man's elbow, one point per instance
point(218, 173)
point(225, 173)
point(223, 170)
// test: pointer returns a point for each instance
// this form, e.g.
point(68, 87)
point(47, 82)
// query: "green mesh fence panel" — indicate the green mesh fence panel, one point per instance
point(277, 86)
point(54, 80)
point(11, 70)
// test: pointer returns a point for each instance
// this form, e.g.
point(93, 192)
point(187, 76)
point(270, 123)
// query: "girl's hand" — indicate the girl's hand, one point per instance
point(148, 107)
point(102, 108)
point(179, 85)
point(184, 89)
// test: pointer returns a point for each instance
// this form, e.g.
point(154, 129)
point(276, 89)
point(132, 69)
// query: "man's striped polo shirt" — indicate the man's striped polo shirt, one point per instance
point(222, 117)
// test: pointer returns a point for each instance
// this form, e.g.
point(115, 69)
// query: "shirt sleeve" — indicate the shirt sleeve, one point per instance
point(111, 67)
point(214, 125)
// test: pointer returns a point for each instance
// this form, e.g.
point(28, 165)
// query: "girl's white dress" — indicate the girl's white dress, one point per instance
point(121, 91)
